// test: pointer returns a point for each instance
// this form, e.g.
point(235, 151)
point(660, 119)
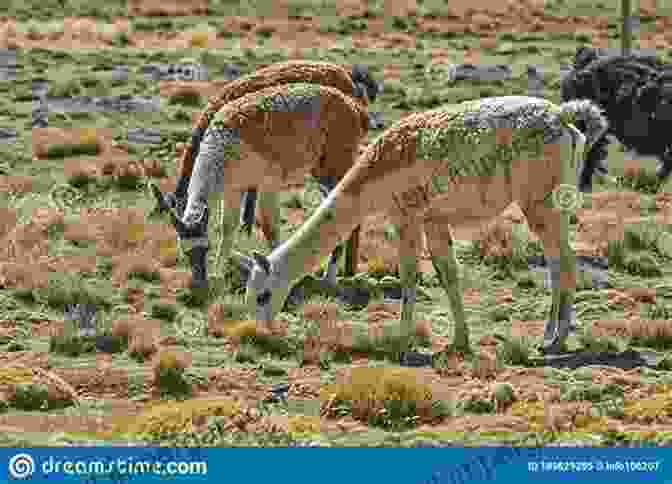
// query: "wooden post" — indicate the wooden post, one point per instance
point(626, 27)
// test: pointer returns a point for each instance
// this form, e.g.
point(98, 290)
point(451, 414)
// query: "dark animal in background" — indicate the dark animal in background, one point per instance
point(635, 93)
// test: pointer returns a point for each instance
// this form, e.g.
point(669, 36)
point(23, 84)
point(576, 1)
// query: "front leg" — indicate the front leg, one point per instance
point(410, 240)
point(248, 210)
point(193, 234)
point(440, 243)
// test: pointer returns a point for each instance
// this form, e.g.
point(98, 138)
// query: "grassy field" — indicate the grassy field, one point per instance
point(75, 226)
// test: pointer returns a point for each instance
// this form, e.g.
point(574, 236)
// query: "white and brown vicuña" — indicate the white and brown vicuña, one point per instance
point(467, 161)
point(265, 141)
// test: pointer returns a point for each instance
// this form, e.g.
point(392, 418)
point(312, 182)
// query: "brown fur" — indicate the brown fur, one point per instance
point(389, 178)
point(280, 148)
point(322, 73)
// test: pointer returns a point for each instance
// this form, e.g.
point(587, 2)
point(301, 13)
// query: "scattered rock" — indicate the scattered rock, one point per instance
point(175, 72)
point(483, 73)
point(144, 136)
point(89, 104)
point(9, 65)
point(39, 87)
point(597, 267)
point(416, 359)
point(120, 73)
point(8, 135)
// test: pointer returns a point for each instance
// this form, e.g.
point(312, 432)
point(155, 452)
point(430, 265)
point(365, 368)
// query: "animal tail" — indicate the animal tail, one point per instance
point(587, 117)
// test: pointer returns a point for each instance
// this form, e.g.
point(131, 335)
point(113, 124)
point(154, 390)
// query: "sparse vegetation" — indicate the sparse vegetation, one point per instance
point(75, 227)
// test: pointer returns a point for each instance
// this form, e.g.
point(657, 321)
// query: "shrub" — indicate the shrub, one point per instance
point(391, 398)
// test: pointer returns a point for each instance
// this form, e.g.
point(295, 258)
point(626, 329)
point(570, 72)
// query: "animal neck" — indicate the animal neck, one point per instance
point(331, 223)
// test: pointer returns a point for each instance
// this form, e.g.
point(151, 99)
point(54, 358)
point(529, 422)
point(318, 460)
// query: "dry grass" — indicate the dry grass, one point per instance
point(124, 235)
point(144, 345)
point(46, 140)
point(200, 39)
point(25, 260)
point(654, 409)
point(369, 391)
point(133, 327)
point(16, 184)
point(179, 417)
point(557, 417)
point(170, 360)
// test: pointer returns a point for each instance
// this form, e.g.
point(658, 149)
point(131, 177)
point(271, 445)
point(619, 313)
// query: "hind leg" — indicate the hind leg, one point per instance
point(550, 221)
point(440, 244)
point(551, 229)
point(268, 203)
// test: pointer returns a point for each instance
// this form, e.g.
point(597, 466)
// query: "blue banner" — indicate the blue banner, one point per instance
point(336, 466)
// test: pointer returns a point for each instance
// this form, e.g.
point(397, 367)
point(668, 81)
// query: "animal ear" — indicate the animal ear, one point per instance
point(262, 262)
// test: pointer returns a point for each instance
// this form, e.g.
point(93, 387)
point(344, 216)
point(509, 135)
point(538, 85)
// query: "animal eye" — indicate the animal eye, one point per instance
point(264, 298)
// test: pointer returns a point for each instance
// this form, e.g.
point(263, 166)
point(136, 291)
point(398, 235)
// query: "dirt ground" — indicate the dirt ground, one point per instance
point(538, 403)
point(483, 17)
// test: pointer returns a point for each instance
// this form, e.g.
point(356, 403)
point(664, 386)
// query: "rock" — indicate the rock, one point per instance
point(485, 73)
point(122, 103)
point(8, 64)
point(175, 72)
point(8, 135)
point(144, 136)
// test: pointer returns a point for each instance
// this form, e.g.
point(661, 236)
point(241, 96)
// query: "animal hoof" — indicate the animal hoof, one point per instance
point(164, 201)
point(198, 285)
point(555, 335)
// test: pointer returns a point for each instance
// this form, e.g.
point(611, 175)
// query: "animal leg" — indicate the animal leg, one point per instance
point(410, 239)
point(552, 226)
point(248, 209)
point(269, 215)
point(226, 228)
point(440, 244)
point(561, 260)
point(206, 185)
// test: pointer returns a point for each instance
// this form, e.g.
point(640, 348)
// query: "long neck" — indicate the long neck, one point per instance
point(333, 221)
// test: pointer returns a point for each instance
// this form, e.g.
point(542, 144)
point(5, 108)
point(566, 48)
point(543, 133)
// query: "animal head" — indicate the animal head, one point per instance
point(364, 83)
point(267, 287)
